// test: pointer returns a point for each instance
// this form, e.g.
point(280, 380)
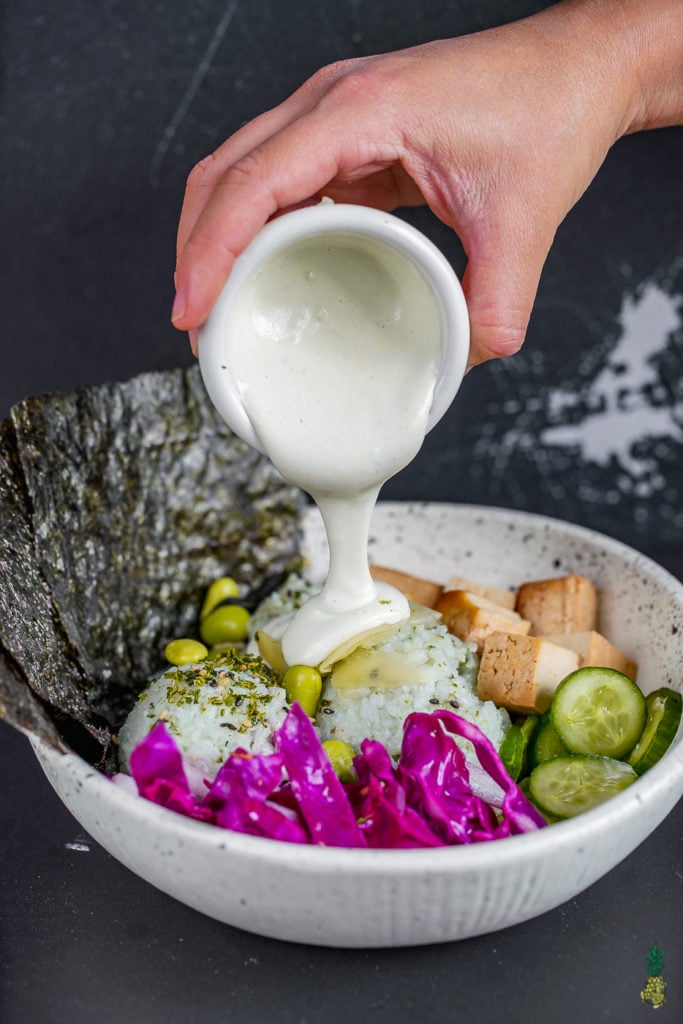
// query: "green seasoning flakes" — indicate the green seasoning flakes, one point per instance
point(227, 674)
point(229, 701)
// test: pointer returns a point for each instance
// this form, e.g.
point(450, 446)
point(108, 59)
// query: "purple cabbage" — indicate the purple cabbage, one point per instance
point(313, 781)
point(433, 772)
point(519, 812)
point(380, 803)
point(294, 794)
point(240, 798)
point(156, 764)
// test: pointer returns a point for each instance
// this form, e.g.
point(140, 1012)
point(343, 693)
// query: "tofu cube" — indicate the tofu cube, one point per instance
point(522, 672)
point(594, 649)
point(415, 589)
point(473, 618)
point(568, 604)
point(504, 598)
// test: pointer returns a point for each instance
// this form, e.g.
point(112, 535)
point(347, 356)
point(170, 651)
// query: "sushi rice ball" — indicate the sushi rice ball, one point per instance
point(229, 701)
point(234, 700)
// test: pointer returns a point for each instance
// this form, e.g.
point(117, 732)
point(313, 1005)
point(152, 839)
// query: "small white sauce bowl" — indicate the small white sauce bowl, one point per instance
point(327, 218)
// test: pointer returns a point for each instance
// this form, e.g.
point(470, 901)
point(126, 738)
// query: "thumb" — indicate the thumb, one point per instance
point(500, 285)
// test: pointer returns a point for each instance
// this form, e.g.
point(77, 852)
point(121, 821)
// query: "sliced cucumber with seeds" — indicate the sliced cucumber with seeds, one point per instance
point(567, 786)
point(545, 744)
point(598, 711)
point(663, 718)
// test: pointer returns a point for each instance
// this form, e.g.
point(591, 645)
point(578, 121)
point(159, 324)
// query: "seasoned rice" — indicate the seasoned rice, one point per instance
point(440, 671)
point(228, 702)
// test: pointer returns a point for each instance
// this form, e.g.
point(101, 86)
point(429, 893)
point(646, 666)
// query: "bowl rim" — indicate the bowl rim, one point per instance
point(656, 782)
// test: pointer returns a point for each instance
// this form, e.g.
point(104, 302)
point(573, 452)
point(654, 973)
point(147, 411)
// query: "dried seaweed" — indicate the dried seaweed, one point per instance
point(121, 503)
point(19, 705)
point(31, 634)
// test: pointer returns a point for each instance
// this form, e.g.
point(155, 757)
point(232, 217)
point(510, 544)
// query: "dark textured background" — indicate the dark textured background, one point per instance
point(105, 108)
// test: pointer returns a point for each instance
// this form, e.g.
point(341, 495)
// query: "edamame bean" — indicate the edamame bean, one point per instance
point(225, 624)
point(185, 651)
point(303, 684)
point(222, 589)
point(341, 757)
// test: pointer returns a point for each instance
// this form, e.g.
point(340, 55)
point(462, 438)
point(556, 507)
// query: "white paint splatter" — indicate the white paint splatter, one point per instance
point(622, 420)
point(78, 845)
point(622, 396)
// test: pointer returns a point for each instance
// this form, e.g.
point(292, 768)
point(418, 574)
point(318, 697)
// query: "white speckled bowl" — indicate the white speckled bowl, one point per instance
point(396, 898)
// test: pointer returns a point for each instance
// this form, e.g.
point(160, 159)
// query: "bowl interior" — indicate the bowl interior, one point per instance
point(375, 898)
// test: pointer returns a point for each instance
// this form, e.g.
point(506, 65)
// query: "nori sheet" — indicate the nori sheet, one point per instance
point(33, 644)
point(119, 504)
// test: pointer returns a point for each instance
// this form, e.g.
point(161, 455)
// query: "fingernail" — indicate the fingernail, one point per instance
point(194, 337)
point(178, 310)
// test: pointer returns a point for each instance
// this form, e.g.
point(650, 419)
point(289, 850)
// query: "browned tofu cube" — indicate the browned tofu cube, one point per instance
point(594, 649)
point(568, 604)
point(473, 618)
point(415, 589)
point(522, 672)
point(504, 598)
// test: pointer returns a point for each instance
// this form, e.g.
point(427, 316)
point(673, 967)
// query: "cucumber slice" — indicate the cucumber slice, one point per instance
point(598, 711)
point(663, 718)
point(546, 744)
point(567, 786)
point(513, 749)
point(524, 786)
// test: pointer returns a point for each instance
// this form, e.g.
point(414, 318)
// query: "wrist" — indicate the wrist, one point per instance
point(636, 47)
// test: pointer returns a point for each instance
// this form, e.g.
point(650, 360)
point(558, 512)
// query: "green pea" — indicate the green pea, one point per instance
point(303, 684)
point(185, 651)
point(226, 624)
point(222, 589)
point(341, 757)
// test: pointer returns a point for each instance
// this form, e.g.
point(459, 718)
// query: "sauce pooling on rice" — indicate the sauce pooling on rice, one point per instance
point(334, 344)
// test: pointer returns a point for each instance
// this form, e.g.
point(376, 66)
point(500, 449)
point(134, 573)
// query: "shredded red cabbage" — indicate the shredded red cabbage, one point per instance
point(294, 794)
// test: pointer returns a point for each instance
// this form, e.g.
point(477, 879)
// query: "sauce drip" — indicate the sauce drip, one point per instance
point(334, 344)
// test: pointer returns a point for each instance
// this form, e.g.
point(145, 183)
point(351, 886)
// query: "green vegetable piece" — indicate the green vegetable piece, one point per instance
point(222, 589)
point(567, 786)
point(185, 651)
point(524, 785)
point(341, 757)
point(663, 718)
point(228, 623)
point(545, 744)
point(598, 711)
point(513, 749)
point(303, 684)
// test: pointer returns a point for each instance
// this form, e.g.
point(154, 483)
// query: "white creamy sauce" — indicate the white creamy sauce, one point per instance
point(334, 344)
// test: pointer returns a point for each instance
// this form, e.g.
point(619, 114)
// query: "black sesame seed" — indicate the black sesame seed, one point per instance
point(434, 700)
point(228, 725)
point(238, 701)
point(328, 711)
point(454, 704)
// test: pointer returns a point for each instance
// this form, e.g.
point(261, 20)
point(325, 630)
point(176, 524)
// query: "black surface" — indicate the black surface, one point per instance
point(82, 939)
point(105, 109)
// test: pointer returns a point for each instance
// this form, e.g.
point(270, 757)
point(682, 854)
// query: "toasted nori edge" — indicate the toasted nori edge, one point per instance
point(33, 644)
point(19, 705)
point(119, 504)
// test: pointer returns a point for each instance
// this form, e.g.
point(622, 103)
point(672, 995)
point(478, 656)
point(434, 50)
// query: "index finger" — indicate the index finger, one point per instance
point(286, 170)
point(206, 175)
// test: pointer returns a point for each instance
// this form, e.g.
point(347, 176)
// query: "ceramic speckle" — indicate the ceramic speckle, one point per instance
point(366, 898)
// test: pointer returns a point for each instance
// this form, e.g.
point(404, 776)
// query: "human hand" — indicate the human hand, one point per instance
point(498, 132)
